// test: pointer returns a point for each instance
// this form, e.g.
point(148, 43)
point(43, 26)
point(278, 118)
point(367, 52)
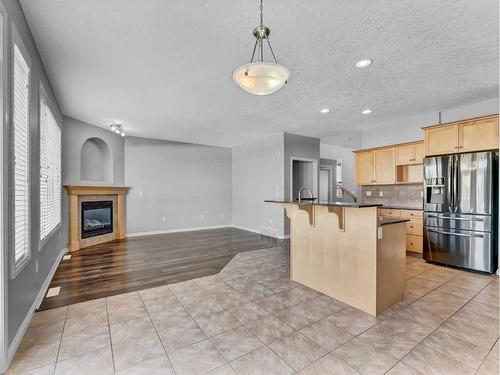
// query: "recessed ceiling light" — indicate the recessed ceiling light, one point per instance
point(363, 63)
point(325, 110)
point(367, 111)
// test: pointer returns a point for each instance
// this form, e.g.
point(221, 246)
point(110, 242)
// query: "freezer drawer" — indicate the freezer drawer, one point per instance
point(466, 249)
point(480, 223)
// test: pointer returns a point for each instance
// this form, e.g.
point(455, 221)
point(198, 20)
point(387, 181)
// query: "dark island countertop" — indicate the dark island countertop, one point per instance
point(392, 220)
point(334, 204)
point(396, 207)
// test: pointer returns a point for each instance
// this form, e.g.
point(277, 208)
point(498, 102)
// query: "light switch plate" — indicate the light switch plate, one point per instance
point(380, 193)
point(368, 193)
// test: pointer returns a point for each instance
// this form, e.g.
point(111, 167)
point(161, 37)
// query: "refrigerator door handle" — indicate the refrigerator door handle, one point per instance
point(456, 169)
point(456, 218)
point(456, 234)
point(450, 184)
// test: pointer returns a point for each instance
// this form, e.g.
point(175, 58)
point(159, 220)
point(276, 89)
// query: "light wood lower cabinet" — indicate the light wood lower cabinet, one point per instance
point(414, 243)
point(414, 227)
point(388, 212)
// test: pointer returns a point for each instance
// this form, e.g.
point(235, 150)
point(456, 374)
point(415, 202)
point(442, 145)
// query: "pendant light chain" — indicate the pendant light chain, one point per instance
point(261, 13)
point(261, 25)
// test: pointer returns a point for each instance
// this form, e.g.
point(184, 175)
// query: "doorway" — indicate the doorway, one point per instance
point(304, 173)
point(326, 193)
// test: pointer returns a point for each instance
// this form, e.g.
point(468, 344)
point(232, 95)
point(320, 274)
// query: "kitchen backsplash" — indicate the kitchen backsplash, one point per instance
point(410, 196)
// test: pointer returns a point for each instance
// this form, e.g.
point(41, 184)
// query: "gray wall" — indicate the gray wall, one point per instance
point(74, 136)
point(399, 130)
point(176, 185)
point(258, 174)
point(23, 290)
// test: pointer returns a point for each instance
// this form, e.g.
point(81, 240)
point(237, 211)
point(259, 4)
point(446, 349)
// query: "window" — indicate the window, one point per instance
point(20, 108)
point(50, 170)
point(338, 178)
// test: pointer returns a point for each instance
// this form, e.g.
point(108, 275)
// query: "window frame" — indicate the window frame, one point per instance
point(20, 265)
point(43, 96)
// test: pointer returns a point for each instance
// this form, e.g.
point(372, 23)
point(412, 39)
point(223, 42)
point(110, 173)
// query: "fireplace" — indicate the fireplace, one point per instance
point(97, 218)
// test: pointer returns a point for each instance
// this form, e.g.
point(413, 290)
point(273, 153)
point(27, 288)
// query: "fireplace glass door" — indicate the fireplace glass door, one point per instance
point(97, 218)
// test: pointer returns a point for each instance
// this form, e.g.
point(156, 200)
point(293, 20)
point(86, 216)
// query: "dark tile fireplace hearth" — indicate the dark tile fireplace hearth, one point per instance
point(97, 218)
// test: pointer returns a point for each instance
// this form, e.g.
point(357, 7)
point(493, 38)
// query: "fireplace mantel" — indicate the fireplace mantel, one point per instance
point(79, 193)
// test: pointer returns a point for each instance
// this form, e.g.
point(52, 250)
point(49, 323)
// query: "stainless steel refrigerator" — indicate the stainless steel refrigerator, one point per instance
point(461, 210)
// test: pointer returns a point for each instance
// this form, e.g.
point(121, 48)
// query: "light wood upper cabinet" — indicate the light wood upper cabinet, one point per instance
point(376, 167)
point(419, 153)
point(465, 136)
point(365, 168)
point(441, 140)
point(478, 135)
point(385, 166)
point(404, 155)
point(409, 154)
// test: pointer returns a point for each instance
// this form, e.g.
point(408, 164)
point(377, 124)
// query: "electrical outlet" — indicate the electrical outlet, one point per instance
point(141, 194)
point(380, 193)
point(368, 193)
point(270, 221)
point(36, 266)
point(164, 219)
point(421, 193)
point(221, 216)
point(202, 216)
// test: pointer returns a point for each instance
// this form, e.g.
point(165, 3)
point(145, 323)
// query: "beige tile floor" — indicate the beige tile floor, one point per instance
point(250, 319)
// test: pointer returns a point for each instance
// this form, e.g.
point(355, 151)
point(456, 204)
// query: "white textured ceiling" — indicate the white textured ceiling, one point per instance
point(163, 68)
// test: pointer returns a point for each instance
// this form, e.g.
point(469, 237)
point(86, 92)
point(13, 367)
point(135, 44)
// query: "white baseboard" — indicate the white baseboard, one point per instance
point(36, 304)
point(152, 233)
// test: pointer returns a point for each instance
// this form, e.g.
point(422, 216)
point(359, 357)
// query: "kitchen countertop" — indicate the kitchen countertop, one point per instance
point(396, 207)
point(392, 220)
point(331, 204)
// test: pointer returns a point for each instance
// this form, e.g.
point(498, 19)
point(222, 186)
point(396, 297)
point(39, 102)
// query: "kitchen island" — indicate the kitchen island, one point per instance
point(344, 251)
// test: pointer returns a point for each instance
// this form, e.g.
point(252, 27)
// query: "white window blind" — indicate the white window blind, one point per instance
point(21, 157)
point(338, 177)
point(50, 170)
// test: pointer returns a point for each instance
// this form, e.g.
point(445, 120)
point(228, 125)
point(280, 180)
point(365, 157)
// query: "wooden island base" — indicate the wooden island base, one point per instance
point(345, 253)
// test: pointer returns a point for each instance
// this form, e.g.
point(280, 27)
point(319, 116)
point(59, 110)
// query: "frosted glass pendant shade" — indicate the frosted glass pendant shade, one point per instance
point(261, 78)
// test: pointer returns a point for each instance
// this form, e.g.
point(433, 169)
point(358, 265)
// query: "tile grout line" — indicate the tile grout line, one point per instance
point(156, 331)
point(421, 342)
point(60, 342)
point(110, 339)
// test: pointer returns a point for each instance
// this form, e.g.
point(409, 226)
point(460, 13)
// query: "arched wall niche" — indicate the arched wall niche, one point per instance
point(96, 161)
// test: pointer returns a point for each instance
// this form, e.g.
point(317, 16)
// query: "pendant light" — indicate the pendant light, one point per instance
point(261, 77)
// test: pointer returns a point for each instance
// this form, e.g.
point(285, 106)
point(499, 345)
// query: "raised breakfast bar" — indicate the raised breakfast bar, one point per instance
point(345, 251)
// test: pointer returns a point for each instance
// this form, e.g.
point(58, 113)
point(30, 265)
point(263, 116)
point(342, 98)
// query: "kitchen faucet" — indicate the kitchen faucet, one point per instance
point(304, 188)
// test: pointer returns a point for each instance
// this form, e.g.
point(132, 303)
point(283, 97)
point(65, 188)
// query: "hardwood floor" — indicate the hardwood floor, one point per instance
point(138, 263)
